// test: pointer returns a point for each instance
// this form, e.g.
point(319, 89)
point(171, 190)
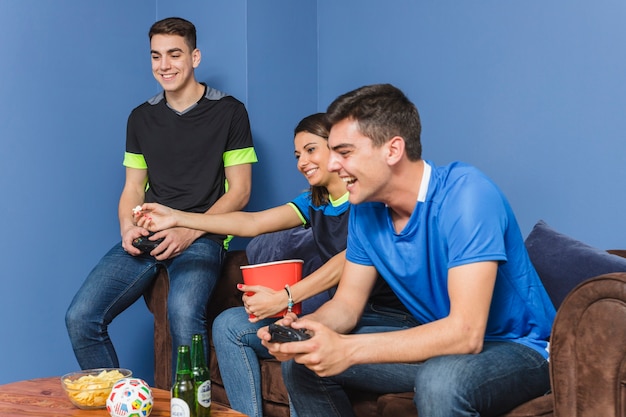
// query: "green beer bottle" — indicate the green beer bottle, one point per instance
point(183, 402)
point(201, 376)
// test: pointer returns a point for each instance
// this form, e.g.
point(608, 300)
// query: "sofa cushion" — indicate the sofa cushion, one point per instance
point(400, 404)
point(273, 388)
point(563, 262)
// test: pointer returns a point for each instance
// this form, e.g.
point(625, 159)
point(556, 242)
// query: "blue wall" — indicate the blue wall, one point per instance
point(73, 70)
point(531, 92)
point(282, 86)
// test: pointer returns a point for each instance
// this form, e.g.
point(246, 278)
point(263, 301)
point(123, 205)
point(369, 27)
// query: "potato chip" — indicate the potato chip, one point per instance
point(92, 390)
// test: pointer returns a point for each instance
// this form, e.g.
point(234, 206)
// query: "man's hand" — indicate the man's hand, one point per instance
point(327, 353)
point(131, 234)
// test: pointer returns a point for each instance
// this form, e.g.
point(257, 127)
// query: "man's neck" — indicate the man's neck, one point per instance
point(405, 193)
point(182, 100)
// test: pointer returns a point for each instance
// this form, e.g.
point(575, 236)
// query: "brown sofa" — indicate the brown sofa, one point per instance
point(588, 346)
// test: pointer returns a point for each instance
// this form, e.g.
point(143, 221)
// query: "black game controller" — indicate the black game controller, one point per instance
point(281, 334)
point(146, 245)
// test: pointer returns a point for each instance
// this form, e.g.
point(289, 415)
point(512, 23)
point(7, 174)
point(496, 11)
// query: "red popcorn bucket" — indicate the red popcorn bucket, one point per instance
point(275, 275)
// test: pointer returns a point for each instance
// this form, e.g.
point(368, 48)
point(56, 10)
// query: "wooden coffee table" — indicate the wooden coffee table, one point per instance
point(44, 397)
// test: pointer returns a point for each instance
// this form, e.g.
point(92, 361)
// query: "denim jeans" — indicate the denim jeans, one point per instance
point(502, 376)
point(238, 350)
point(119, 279)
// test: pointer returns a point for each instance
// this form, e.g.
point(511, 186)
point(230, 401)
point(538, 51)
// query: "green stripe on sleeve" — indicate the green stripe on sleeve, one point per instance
point(134, 160)
point(297, 210)
point(239, 157)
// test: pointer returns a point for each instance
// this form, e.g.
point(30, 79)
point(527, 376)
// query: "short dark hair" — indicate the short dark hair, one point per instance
point(175, 26)
point(316, 124)
point(381, 111)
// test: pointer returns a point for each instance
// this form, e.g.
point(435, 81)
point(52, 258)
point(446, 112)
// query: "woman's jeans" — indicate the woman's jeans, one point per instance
point(238, 351)
point(502, 376)
point(119, 279)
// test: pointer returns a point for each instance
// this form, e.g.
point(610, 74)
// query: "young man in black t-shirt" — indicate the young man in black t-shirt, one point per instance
point(189, 147)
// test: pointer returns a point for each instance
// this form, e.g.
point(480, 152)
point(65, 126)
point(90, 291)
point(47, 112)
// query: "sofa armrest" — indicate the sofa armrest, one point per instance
point(587, 353)
point(618, 252)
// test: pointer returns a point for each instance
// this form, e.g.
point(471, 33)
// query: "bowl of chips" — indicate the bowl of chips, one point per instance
point(88, 389)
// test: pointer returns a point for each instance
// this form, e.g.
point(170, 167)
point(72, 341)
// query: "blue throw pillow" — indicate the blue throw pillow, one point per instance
point(563, 262)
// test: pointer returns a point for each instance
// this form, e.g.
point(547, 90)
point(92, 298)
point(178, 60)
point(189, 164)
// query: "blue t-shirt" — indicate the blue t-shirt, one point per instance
point(461, 218)
point(328, 221)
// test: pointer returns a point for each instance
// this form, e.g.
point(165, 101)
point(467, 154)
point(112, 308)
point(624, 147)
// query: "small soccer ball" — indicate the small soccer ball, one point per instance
point(130, 397)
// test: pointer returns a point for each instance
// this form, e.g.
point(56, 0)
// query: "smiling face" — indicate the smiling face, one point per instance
point(312, 154)
point(360, 165)
point(173, 62)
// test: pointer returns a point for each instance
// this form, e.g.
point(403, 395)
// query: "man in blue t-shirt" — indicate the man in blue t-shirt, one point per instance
point(447, 242)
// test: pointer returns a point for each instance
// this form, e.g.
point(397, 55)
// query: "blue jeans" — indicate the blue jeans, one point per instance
point(238, 351)
point(502, 376)
point(119, 279)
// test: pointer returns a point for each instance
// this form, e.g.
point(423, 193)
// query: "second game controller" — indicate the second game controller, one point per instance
point(282, 334)
point(146, 245)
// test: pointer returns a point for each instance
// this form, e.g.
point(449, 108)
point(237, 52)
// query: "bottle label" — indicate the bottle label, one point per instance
point(179, 408)
point(204, 394)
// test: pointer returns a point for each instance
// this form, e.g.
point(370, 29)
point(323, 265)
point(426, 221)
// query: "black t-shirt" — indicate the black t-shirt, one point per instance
point(185, 153)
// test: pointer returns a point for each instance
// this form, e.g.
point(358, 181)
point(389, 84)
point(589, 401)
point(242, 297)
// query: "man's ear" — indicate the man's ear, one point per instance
point(395, 150)
point(196, 57)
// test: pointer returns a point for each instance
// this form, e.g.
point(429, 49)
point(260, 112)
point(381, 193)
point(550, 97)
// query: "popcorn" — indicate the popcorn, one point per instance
point(137, 210)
